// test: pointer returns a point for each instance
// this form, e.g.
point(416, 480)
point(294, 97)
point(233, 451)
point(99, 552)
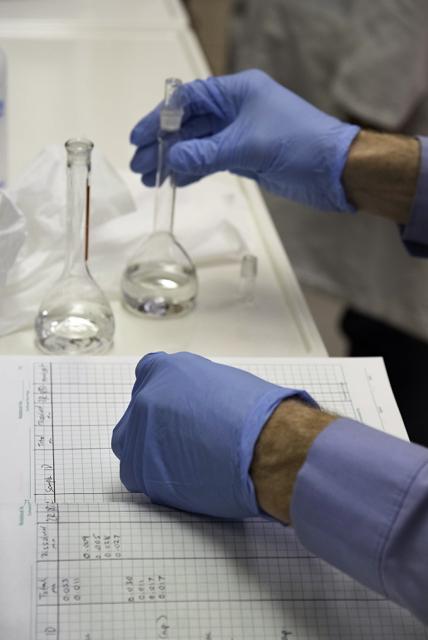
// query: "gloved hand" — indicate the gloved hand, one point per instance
point(187, 437)
point(250, 125)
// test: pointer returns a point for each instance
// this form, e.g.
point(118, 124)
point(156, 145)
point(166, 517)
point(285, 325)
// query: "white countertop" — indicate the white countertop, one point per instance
point(98, 82)
point(42, 16)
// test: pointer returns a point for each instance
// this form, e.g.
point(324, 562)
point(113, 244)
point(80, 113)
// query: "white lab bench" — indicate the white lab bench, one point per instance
point(39, 17)
point(97, 79)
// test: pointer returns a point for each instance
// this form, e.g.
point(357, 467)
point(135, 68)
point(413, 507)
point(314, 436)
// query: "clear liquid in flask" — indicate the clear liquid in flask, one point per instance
point(77, 323)
point(159, 288)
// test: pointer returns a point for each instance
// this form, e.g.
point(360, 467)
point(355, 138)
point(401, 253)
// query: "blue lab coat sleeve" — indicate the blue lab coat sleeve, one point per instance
point(415, 233)
point(361, 503)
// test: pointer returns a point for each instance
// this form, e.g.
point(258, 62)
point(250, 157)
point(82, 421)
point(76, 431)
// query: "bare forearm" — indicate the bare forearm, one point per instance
point(281, 451)
point(381, 174)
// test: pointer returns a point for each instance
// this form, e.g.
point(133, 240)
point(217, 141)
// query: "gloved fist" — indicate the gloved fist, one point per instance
point(249, 124)
point(187, 437)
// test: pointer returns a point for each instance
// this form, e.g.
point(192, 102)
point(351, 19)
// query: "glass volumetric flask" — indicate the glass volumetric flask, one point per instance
point(160, 280)
point(75, 317)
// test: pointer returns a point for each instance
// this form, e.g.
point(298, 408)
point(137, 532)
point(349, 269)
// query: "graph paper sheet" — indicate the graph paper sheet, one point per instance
point(79, 561)
point(121, 571)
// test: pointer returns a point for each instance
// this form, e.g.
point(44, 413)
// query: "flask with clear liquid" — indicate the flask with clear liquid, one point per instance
point(160, 280)
point(75, 317)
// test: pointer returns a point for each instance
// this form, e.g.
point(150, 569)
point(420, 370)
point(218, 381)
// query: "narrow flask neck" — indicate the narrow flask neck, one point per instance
point(171, 115)
point(165, 187)
point(78, 203)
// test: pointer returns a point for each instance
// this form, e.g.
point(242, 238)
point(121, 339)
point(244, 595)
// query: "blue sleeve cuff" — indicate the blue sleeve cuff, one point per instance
point(415, 233)
point(352, 501)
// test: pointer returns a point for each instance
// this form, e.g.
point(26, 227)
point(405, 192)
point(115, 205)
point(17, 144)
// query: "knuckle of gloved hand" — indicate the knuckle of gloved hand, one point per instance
point(179, 355)
point(148, 362)
point(184, 360)
point(255, 78)
point(257, 75)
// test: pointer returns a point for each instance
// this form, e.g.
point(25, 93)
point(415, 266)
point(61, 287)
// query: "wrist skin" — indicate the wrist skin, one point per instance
point(281, 451)
point(381, 173)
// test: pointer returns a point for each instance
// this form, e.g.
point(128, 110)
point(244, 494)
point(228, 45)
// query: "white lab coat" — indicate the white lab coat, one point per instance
point(363, 59)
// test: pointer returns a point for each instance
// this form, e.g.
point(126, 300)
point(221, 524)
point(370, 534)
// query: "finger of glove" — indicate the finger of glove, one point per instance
point(145, 367)
point(146, 130)
point(129, 434)
point(145, 159)
point(195, 103)
point(122, 430)
point(182, 180)
point(146, 156)
point(246, 174)
point(149, 179)
point(205, 97)
point(132, 459)
point(201, 126)
point(118, 436)
point(200, 157)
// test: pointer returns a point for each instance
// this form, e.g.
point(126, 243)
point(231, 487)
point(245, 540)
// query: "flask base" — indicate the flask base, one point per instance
point(159, 307)
point(72, 335)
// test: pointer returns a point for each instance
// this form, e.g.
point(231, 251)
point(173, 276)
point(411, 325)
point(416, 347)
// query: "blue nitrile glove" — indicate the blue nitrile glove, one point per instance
point(250, 125)
point(187, 438)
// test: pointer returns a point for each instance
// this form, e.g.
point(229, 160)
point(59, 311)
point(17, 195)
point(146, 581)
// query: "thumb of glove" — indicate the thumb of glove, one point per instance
point(200, 157)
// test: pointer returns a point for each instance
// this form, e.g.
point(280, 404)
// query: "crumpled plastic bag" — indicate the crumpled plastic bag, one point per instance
point(12, 235)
